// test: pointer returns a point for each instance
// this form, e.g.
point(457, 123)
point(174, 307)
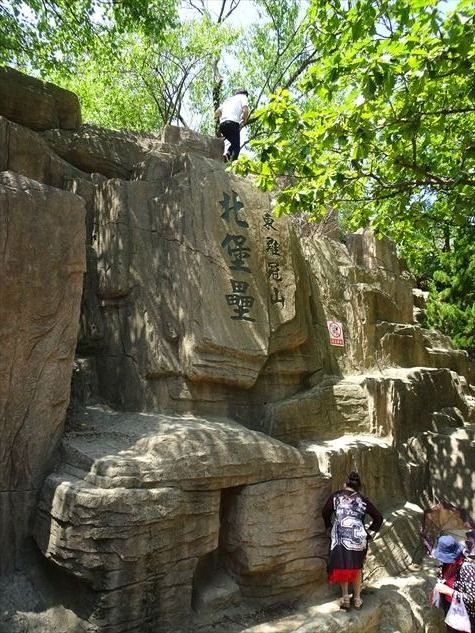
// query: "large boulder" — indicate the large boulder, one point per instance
point(111, 153)
point(241, 318)
point(138, 511)
point(395, 404)
point(26, 153)
point(274, 538)
point(42, 245)
point(185, 140)
point(125, 154)
point(37, 104)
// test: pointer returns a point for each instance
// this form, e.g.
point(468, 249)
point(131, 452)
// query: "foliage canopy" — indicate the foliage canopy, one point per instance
point(47, 34)
point(387, 125)
point(382, 128)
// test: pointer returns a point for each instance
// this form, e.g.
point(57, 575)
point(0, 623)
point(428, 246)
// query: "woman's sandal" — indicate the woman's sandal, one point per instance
point(357, 603)
point(345, 603)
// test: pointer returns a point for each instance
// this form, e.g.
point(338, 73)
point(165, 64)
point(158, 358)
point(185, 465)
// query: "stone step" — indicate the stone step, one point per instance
point(397, 404)
point(375, 458)
point(391, 604)
point(409, 345)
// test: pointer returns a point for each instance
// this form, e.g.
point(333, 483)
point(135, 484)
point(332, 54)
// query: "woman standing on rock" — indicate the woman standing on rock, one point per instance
point(349, 537)
point(456, 576)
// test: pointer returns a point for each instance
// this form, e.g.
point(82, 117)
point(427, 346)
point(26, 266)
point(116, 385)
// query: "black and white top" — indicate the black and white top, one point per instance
point(349, 536)
point(465, 584)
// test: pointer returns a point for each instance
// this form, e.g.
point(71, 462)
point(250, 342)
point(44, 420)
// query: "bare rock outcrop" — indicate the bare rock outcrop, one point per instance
point(213, 413)
point(125, 154)
point(37, 104)
point(24, 152)
point(155, 502)
point(42, 246)
point(243, 312)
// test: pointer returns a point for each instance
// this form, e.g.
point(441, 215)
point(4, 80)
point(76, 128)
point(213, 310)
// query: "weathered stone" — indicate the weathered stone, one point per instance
point(17, 507)
point(185, 140)
point(420, 298)
point(25, 153)
point(197, 299)
point(107, 152)
point(274, 539)
point(136, 548)
point(106, 536)
point(214, 590)
point(128, 155)
point(359, 298)
point(369, 252)
point(373, 457)
point(394, 605)
point(397, 545)
point(407, 345)
point(42, 241)
point(37, 104)
point(91, 331)
point(390, 605)
point(151, 234)
point(135, 509)
point(395, 404)
point(134, 450)
point(450, 459)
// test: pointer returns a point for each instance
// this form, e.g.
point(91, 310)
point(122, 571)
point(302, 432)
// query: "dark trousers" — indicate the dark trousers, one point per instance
point(230, 131)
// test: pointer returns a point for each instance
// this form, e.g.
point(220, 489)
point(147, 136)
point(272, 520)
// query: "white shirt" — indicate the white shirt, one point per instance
point(231, 110)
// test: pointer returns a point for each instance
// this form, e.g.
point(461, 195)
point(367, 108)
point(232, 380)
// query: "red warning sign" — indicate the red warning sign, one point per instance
point(335, 330)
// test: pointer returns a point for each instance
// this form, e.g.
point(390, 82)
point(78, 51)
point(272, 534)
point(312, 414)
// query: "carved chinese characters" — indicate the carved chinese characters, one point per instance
point(273, 263)
point(237, 250)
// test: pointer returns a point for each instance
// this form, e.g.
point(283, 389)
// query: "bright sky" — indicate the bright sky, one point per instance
point(244, 14)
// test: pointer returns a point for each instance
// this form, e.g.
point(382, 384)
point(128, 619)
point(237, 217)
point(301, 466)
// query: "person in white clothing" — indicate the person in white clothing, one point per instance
point(233, 114)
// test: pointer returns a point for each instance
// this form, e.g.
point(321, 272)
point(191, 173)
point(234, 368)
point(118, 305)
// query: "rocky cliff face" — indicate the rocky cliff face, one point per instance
point(42, 244)
point(212, 411)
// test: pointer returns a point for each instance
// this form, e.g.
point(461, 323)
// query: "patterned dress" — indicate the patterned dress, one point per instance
point(461, 577)
point(349, 537)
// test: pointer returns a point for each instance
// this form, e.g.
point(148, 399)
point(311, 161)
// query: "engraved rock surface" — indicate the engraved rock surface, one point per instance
point(243, 311)
point(204, 323)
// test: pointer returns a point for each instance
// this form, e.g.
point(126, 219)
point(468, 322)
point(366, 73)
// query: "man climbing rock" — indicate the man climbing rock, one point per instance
point(233, 115)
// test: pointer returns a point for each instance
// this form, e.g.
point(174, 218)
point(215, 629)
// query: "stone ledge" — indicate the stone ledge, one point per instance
point(37, 104)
